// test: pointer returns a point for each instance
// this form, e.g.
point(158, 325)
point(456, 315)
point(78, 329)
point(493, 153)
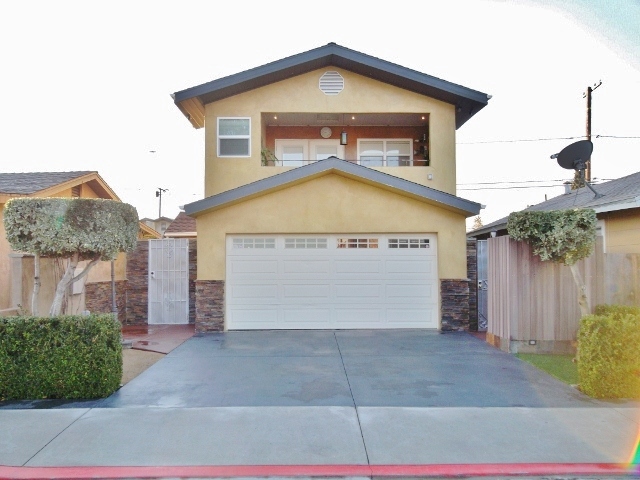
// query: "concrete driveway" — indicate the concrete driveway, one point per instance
point(371, 368)
point(325, 403)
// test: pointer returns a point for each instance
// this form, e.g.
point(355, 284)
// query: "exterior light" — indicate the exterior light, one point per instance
point(493, 233)
point(343, 138)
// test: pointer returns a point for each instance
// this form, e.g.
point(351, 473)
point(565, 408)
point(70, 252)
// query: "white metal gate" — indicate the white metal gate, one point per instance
point(483, 286)
point(168, 281)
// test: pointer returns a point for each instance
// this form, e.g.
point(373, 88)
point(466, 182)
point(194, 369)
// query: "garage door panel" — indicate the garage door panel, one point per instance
point(295, 284)
point(407, 317)
point(420, 292)
point(305, 292)
point(259, 317)
point(359, 266)
point(305, 266)
point(364, 316)
point(422, 266)
point(254, 293)
point(252, 267)
point(307, 316)
point(350, 291)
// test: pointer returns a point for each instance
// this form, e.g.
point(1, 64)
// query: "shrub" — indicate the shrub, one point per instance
point(616, 310)
point(67, 357)
point(608, 355)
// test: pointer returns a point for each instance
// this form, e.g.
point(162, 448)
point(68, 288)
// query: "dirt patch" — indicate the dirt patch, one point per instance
point(134, 362)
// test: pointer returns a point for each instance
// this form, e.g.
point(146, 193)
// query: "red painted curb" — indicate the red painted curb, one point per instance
point(208, 471)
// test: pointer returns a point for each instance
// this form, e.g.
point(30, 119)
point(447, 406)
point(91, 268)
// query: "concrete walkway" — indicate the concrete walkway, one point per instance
point(346, 403)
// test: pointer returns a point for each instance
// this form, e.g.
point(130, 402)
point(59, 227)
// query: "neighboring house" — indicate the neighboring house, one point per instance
point(147, 233)
point(617, 210)
point(531, 305)
point(330, 185)
point(183, 226)
point(16, 269)
point(159, 224)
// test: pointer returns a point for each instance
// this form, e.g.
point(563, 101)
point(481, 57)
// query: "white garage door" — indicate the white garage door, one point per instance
point(331, 281)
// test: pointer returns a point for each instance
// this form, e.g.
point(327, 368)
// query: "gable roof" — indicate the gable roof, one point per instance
point(183, 225)
point(619, 194)
point(48, 183)
point(467, 101)
point(145, 232)
point(333, 165)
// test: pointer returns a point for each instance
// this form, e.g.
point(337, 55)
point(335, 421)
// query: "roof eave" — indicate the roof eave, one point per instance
point(467, 101)
point(324, 167)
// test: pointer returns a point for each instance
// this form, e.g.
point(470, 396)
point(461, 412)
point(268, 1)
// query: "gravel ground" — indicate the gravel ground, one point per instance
point(134, 362)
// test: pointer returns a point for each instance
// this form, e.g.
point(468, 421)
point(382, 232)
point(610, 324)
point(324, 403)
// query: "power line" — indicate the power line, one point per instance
point(613, 136)
point(520, 181)
point(520, 140)
point(514, 187)
point(544, 139)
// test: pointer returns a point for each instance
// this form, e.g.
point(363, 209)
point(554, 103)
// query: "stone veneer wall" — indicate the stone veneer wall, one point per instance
point(472, 274)
point(209, 306)
point(137, 285)
point(455, 304)
point(98, 297)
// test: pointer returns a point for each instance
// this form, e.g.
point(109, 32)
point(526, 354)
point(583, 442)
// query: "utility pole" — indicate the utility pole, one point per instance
point(587, 95)
point(159, 193)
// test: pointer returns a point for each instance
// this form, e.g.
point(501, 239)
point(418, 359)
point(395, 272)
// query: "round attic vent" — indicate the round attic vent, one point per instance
point(331, 83)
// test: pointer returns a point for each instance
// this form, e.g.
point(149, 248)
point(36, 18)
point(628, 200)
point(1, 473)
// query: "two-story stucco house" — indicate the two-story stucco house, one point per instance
point(330, 196)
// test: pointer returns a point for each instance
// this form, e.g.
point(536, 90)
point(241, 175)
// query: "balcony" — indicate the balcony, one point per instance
point(368, 139)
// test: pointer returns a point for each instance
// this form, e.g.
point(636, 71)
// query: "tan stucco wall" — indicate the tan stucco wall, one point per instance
point(622, 231)
point(331, 204)
point(301, 94)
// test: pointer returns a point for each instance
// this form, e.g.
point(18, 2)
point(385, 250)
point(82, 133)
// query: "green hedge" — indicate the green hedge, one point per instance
point(67, 357)
point(616, 310)
point(609, 354)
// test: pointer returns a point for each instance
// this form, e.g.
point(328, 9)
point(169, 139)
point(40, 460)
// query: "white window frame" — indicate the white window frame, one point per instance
point(299, 142)
point(384, 141)
point(235, 137)
point(308, 149)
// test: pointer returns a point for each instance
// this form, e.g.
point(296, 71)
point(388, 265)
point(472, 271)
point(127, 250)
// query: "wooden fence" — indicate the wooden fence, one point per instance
point(533, 305)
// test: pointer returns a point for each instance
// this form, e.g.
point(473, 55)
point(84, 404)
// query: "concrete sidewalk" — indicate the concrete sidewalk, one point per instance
point(339, 439)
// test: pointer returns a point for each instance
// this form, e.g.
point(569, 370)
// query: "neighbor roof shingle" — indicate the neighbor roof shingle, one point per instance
point(616, 194)
point(32, 182)
point(182, 223)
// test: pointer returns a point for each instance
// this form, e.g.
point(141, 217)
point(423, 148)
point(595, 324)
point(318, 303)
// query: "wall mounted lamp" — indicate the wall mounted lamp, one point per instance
point(343, 138)
point(493, 233)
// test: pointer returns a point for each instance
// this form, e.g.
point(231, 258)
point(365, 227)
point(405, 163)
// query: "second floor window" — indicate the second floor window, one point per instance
point(234, 137)
point(385, 152)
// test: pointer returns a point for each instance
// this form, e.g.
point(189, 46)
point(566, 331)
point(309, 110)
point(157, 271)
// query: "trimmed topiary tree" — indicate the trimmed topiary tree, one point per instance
point(75, 229)
point(562, 236)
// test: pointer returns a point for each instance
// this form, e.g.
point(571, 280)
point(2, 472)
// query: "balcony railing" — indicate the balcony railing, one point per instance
point(367, 162)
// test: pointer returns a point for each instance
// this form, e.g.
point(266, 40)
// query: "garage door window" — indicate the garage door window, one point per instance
point(408, 243)
point(254, 243)
point(305, 243)
point(357, 243)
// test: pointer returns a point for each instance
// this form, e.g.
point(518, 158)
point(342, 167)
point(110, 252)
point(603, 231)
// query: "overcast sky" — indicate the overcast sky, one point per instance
point(86, 85)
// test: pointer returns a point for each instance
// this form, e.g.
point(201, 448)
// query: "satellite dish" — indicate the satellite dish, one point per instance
point(576, 155)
